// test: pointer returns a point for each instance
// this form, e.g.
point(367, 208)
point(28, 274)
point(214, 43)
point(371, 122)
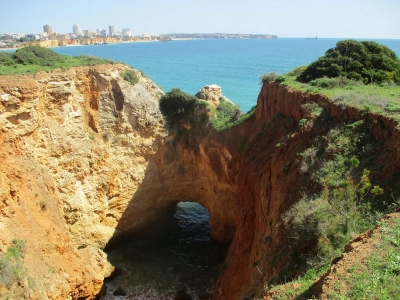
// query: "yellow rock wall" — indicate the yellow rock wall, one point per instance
point(74, 149)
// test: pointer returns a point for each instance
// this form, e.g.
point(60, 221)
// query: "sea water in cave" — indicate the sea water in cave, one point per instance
point(173, 259)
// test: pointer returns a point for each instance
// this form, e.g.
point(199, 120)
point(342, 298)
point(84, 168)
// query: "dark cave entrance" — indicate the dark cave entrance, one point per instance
point(175, 257)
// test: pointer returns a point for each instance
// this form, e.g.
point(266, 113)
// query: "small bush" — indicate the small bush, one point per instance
point(392, 107)
point(268, 77)
point(130, 76)
point(330, 83)
point(6, 59)
point(280, 79)
point(11, 268)
point(296, 72)
point(33, 59)
point(227, 113)
point(175, 104)
point(361, 61)
point(6, 272)
point(16, 250)
point(302, 122)
point(311, 109)
point(346, 202)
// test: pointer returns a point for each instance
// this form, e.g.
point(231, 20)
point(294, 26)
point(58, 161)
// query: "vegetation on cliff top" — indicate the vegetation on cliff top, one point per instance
point(376, 276)
point(341, 198)
point(381, 94)
point(33, 59)
point(364, 61)
point(225, 115)
point(179, 106)
point(175, 105)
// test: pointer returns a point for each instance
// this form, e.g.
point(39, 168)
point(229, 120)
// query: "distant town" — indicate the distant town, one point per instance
point(48, 38)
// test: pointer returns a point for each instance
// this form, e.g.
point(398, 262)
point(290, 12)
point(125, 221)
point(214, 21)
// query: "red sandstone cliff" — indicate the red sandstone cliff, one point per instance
point(248, 176)
point(86, 160)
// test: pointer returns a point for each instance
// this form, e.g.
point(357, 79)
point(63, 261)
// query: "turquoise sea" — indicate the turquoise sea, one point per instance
point(234, 64)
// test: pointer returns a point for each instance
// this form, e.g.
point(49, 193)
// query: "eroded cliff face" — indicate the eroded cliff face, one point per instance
point(249, 176)
point(75, 146)
point(87, 160)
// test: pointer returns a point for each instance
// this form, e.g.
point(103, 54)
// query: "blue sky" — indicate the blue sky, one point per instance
point(285, 18)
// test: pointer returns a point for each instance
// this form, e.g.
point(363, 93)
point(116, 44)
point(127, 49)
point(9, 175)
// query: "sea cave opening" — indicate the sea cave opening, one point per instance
point(174, 258)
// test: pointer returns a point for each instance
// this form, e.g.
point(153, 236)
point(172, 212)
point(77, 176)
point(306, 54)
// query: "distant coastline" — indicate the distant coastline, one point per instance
point(98, 40)
point(199, 36)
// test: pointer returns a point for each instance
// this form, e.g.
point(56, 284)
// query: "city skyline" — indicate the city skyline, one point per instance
point(77, 30)
point(285, 18)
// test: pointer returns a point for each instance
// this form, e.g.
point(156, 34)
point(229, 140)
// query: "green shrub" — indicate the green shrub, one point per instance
point(361, 61)
point(268, 77)
point(392, 107)
point(280, 79)
point(227, 114)
point(311, 109)
point(330, 83)
point(16, 250)
point(130, 76)
point(272, 77)
point(33, 59)
point(6, 59)
point(11, 268)
point(302, 122)
point(296, 72)
point(37, 55)
point(347, 202)
point(176, 104)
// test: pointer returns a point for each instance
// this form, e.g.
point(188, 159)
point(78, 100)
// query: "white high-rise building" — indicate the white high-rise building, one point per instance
point(126, 32)
point(76, 29)
point(98, 31)
point(47, 28)
point(111, 30)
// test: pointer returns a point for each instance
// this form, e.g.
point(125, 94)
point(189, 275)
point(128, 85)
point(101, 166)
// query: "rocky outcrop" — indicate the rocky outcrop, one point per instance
point(250, 175)
point(75, 146)
point(211, 93)
point(87, 160)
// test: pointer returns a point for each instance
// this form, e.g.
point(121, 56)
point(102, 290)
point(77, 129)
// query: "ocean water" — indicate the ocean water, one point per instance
point(176, 255)
point(234, 64)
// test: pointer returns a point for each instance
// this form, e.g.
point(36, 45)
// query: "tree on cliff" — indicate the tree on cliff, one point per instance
point(367, 61)
point(175, 104)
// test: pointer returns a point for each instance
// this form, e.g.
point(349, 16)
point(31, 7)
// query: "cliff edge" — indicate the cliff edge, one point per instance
point(74, 149)
point(87, 160)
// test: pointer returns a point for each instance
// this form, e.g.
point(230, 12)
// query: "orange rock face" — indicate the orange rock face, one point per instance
point(73, 147)
point(87, 160)
point(250, 175)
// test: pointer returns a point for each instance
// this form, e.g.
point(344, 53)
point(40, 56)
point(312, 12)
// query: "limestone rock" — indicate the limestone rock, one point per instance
point(211, 93)
point(77, 144)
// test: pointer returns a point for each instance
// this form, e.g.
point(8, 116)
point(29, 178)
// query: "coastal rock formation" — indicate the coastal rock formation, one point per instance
point(211, 93)
point(87, 160)
point(75, 146)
